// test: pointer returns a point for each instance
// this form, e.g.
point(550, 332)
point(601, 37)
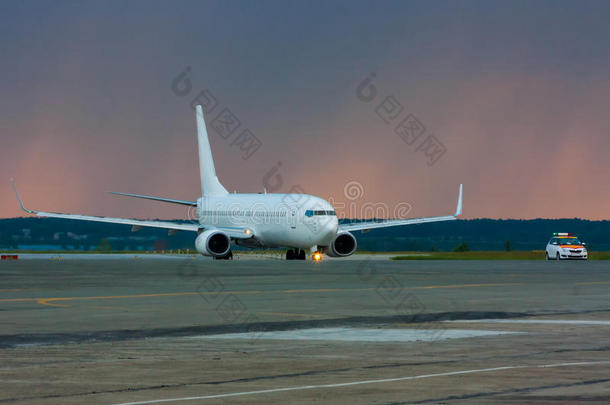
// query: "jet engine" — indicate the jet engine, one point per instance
point(343, 245)
point(213, 243)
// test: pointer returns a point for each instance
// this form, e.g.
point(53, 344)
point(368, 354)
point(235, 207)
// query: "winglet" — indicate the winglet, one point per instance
point(19, 198)
point(458, 211)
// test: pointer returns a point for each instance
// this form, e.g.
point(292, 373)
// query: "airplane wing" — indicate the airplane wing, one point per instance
point(364, 226)
point(234, 233)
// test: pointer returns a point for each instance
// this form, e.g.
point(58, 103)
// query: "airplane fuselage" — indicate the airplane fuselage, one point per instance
point(277, 220)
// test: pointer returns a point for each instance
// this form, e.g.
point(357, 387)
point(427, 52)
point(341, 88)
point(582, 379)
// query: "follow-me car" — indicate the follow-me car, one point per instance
point(293, 221)
point(565, 246)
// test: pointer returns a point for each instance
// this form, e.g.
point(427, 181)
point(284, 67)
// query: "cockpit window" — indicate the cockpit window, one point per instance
point(311, 213)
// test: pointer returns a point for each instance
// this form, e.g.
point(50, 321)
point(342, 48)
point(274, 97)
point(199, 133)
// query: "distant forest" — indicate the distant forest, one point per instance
point(475, 234)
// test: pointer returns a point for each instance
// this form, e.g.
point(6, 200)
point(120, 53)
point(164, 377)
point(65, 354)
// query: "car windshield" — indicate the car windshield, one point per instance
point(569, 241)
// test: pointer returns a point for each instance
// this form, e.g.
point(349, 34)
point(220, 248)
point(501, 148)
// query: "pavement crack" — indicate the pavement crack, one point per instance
point(220, 382)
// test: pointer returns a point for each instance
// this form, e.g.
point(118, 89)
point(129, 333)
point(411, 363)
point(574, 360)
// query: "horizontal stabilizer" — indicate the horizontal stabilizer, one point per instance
point(147, 197)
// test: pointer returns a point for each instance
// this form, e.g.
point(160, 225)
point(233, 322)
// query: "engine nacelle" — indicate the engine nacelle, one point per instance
point(343, 245)
point(213, 243)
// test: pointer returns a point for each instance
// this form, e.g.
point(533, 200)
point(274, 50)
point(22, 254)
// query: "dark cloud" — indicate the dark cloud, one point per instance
point(516, 91)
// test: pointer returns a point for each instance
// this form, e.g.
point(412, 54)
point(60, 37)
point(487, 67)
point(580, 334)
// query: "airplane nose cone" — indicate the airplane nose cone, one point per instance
point(328, 231)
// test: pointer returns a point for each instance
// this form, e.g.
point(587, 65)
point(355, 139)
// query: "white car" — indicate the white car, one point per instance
point(565, 246)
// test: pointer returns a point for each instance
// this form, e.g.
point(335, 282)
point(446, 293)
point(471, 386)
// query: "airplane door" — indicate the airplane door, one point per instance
point(292, 218)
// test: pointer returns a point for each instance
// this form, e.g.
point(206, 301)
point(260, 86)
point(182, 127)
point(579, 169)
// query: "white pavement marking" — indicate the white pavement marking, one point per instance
point(361, 334)
point(362, 382)
point(535, 321)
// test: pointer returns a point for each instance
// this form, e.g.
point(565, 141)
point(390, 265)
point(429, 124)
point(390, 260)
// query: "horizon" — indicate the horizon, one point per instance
point(359, 219)
point(479, 234)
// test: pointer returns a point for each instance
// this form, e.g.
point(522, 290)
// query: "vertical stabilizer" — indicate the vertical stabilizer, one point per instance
point(210, 186)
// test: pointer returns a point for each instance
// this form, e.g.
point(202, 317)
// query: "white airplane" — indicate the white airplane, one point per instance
point(293, 221)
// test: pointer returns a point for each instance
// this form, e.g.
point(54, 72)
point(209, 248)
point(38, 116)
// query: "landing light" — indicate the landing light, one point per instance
point(317, 256)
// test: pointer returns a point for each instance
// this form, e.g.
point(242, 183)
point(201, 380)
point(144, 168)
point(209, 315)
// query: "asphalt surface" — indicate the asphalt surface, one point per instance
point(127, 329)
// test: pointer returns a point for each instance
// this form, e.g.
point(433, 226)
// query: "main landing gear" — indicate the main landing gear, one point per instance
point(295, 254)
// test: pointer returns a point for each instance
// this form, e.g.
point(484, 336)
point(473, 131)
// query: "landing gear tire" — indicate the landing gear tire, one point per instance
point(295, 254)
point(228, 256)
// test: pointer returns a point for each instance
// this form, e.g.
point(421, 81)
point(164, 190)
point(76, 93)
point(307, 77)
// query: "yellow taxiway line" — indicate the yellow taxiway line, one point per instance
point(593, 282)
point(53, 301)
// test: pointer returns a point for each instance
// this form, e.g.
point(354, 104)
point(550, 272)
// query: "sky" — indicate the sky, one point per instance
point(509, 98)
